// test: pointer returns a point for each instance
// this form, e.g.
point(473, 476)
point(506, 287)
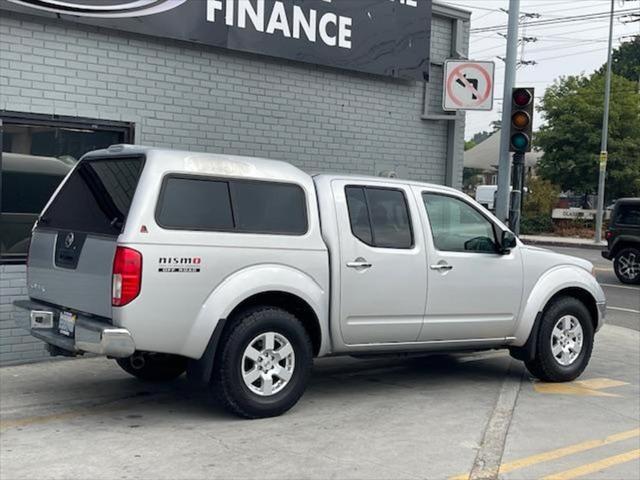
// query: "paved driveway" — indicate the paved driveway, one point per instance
point(436, 417)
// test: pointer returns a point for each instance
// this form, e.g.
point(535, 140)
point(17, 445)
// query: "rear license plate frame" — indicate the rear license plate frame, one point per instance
point(67, 323)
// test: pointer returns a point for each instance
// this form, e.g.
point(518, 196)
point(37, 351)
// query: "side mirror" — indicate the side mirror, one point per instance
point(507, 242)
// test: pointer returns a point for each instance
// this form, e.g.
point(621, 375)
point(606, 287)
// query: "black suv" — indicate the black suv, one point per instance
point(623, 240)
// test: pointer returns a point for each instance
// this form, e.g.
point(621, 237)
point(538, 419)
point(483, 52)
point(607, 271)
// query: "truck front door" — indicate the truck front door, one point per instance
point(383, 271)
point(474, 290)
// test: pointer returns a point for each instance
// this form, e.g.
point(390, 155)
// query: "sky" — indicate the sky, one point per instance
point(568, 47)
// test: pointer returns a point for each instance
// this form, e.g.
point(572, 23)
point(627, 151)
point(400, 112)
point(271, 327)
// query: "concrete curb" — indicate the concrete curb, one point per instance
point(562, 243)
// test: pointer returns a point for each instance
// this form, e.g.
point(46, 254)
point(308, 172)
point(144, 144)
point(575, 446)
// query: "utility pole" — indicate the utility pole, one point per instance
point(504, 165)
point(605, 132)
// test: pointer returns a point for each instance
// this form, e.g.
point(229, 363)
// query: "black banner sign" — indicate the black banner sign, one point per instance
point(385, 37)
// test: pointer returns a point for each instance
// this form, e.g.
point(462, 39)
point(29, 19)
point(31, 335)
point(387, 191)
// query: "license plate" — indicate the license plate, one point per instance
point(67, 323)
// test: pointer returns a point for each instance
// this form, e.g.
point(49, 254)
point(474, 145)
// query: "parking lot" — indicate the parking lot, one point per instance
point(433, 417)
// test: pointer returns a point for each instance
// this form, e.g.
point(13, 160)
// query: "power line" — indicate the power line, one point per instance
point(545, 49)
point(470, 6)
point(559, 20)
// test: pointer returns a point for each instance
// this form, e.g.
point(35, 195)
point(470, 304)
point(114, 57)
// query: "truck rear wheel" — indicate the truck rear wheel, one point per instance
point(564, 343)
point(153, 367)
point(264, 363)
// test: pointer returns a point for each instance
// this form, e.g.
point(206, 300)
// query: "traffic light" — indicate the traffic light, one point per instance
point(520, 130)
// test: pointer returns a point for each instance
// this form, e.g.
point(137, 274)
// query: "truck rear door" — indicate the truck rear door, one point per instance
point(383, 272)
point(74, 242)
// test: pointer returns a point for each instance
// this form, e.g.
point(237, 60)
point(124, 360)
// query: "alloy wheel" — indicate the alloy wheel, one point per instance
point(268, 363)
point(566, 340)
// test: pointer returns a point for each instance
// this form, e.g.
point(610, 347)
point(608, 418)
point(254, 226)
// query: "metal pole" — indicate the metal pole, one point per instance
point(605, 133)
point(504, 165)
point(516, 194)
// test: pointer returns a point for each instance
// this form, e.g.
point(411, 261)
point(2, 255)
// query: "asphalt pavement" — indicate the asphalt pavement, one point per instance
point(439, 417)
point(473, 415)
point(623, 300)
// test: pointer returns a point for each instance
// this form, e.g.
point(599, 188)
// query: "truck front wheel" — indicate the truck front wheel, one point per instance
point(153, 367)
point(564, 343)
point(264, 363)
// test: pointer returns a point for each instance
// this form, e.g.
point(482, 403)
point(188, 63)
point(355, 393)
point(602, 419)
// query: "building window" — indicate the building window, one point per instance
point(37, 152)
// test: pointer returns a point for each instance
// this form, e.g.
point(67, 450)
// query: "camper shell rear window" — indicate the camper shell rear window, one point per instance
point(190, 202)
point(96, 197)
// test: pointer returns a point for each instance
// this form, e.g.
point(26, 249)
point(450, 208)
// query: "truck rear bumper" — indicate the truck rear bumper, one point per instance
point(90, 335)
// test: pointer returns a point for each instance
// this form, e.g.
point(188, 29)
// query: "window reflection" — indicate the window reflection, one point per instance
point(36, 156)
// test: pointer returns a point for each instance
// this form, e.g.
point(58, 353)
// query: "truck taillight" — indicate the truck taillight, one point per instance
point(127, 276)
point(608, 234)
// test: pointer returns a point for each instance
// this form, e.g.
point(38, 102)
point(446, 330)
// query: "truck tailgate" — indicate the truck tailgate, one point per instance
point(73, 245)
point(87, 287)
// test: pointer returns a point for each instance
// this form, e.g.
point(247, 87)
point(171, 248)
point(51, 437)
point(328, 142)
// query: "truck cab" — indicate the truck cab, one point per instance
point(241, 270)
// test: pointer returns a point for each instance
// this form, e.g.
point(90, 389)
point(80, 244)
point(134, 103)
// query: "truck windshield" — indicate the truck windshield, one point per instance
point(96, 197)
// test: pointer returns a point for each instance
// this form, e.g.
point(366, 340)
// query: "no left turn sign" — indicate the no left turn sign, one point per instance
point(468, 85)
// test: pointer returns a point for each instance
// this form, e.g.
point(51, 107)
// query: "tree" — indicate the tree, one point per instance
point(570, 138)
point(538, 205)
point(626, 60)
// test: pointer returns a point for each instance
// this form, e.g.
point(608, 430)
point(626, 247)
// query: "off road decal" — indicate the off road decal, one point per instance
point(179, 264)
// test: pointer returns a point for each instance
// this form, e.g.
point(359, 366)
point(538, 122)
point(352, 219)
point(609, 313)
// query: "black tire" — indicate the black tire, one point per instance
point(544, 365)
point(153, 367)
point(621, 265)
point(228, 383)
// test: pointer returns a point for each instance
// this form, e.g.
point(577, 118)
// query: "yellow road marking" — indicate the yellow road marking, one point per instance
point(611, 285)
point(598, 383)
point(595, 466)
point(22, 422)
point(589, 387)
point(620, 309)
point(561, 452)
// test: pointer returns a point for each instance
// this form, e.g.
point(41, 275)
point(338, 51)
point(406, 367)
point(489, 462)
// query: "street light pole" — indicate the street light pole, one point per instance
point(605, 132)
point(504, 165)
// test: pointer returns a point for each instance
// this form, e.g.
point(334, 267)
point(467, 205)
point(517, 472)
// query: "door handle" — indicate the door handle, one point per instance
point(359, 263)
point(441, 267)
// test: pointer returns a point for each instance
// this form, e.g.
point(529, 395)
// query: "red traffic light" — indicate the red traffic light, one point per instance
point(521, 97)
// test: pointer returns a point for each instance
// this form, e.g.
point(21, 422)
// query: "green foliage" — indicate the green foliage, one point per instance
point(538, 204)
point(481, 136)
point(541, 197)
point(470, 177)
point(536, 224)
point(626, 60)
point(570, 138)
point(469, 144)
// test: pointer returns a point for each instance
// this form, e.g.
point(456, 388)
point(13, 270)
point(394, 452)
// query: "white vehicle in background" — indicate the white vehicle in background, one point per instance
point(241, 270)
point(486, 196)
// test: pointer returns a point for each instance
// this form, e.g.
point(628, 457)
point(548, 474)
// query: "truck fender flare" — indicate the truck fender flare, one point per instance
point(243, 284)
point(549, 284)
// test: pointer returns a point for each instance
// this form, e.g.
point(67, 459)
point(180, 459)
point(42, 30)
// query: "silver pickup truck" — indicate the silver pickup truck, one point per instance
point(240, 271)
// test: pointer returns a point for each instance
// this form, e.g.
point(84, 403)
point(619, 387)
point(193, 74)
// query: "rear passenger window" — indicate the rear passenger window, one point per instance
point(627, 214)
point(358, 214)
point(190, 203)
point(379, 216)
point(269, 207)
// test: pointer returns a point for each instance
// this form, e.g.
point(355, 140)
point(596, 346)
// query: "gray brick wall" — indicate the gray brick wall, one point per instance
point(181, 95)
point(15, 345)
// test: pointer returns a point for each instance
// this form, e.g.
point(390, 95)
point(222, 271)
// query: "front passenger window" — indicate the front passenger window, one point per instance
point(458, 227)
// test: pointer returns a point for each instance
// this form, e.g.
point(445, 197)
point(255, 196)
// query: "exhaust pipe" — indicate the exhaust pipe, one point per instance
point(138, 360)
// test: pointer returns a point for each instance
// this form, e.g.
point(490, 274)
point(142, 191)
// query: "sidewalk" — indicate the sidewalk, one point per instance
point(562, 241)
